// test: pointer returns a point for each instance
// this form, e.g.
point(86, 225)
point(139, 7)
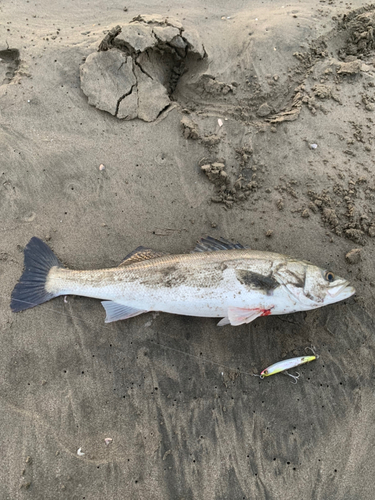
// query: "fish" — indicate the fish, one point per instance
point(286, 364)
point(218, 279)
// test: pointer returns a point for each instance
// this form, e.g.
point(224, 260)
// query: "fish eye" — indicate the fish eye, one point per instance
point(329, 276)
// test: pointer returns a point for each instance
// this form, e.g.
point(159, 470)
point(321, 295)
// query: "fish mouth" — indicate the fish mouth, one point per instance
point(342, 291)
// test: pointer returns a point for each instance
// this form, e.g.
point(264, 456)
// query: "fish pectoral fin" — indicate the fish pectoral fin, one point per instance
point(240, 315)
point(115, 311)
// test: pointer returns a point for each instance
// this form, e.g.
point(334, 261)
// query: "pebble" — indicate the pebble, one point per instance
point(264, 110)
point(354, 256)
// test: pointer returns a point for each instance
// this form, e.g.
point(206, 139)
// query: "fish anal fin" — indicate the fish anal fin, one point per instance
point(223, 322)
point(116, 312)
point(140, 254)
point(240, 315)
point(210, 244)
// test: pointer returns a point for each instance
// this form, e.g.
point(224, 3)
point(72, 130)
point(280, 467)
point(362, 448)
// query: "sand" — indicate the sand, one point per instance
point(262, 132)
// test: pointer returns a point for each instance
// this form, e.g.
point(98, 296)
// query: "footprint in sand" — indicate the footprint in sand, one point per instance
point(9, 64)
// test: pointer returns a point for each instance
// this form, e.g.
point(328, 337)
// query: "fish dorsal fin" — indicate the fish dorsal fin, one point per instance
point(210, 244)
point(139, 254)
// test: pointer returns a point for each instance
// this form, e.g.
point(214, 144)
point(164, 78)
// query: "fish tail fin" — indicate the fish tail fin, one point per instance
point(31, 291)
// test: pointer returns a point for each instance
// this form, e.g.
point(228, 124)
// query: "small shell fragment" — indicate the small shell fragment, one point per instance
point(80, 452)
point(108, 441)
point(101, 167)
point(220, 122)
point(313, 146)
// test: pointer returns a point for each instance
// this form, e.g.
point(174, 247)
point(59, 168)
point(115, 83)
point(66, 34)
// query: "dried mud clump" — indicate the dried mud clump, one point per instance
point(137, 67)
point(354, 256)
point(360, 29)
point(209, 85)
point(191, 130)
point(322, 91)
point(229, 189)
point(345, 209)
point(350, 68)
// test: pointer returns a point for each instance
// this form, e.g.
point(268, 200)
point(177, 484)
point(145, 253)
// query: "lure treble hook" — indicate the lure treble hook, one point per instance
point(295, 377)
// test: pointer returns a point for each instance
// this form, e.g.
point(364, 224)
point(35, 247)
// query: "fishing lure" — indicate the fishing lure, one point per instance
point(286, 364)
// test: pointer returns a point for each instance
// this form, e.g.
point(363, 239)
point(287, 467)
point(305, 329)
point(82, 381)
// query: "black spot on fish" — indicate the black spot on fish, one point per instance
point(166, 271)
point(174, 281)
point(297, 281)
point(255, 281)
point(168, 276)
point(171, 276)
point(175, 276)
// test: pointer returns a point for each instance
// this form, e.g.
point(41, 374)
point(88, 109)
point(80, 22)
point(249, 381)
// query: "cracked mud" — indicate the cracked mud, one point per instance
point(138, 66)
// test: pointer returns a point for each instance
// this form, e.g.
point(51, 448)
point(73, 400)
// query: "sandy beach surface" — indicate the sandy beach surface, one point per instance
point(102, 151)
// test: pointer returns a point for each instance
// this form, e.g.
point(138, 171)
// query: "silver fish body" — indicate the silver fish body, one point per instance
point(237, 284)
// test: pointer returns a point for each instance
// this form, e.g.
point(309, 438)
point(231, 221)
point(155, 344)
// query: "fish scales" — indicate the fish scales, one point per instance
point(193, 269)
point(190, 279)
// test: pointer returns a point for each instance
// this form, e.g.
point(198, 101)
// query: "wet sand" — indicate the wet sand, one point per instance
point(281, 98)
